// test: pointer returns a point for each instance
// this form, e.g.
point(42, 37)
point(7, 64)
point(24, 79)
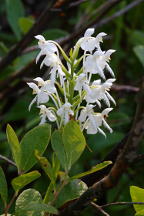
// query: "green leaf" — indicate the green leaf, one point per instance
point(26, 197)
point(15, 10)
point(140, 213)
point(26, 23)
point(14, 144)
point(22, 180)
point(3, 186)
point(39, 207)
point(71, 191)
point(94, 169)
point(139, 51)
point(74, 142)
point(46, 166)
point(137, 195)
point(36, 139)
point(58, 147)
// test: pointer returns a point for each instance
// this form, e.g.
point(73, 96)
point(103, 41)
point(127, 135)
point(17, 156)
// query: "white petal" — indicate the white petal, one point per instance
point(106, 100)
point(40, 81)
point(34, 87)
point(42, 98)
point(89, 32)
point(106, 111)
point(110, 70)
point(100, 36)
point(83, 115)
point(40, 37)
point(51, 116)
point(110, 98)
point(101, 131)
point(107, 126)
point(98, 103)
point(32, 102)
point(43, 119)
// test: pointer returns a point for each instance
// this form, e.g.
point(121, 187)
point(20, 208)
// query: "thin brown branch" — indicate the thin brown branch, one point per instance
point(126, 88)
point(122, 203)
point(10, 203)
point(99, 208)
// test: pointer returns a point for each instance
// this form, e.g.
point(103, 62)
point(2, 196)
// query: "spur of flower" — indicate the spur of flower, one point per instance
point(71, 90)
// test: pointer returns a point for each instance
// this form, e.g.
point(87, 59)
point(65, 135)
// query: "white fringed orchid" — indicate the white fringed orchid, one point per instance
point(46, 113)
point(96, 63)
point(99, 91)
point(89, 43)
point(45, 46)
point(95, 121)
point(71, 92)
point(42, 94)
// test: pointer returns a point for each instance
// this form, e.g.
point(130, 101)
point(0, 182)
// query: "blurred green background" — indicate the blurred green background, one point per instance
point(125, 35)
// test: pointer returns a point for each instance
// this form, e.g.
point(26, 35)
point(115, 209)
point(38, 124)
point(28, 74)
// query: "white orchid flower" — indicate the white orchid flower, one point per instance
point(43, 93)
point(45, 46)
point(89, 43)
point(96, 63)
point(46, 113)
point(85, 112)
point(65, 112)
point(96, 120)
point(99, 91)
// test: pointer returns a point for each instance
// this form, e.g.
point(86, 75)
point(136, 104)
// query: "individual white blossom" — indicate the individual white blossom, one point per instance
point(46, 113)
point(85, 112)
point(65, 112)
point(43, 93)
point(89, 43)
point(99, 91)
point(45, 47)
point(96, 63)
point(95, 121)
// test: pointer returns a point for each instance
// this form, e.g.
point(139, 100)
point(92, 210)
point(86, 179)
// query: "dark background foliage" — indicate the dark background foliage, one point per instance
point(125, 34)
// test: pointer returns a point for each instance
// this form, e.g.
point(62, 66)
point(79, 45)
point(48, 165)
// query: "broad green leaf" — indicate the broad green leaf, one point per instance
point(26, 23)
point(140, 213)
point(71, 191)
point(23, 200)
point(137, 195)
point(74, 142)
point(15, 10)
point(58, 147)
point(14, 144)
point(3, 186)
point(36, 139)
point(94, 169)
point(39, 207)
point(139, 51)
point(22, 180)
point(46, 166)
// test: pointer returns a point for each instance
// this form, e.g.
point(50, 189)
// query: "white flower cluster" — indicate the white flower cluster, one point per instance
point(71, 91)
